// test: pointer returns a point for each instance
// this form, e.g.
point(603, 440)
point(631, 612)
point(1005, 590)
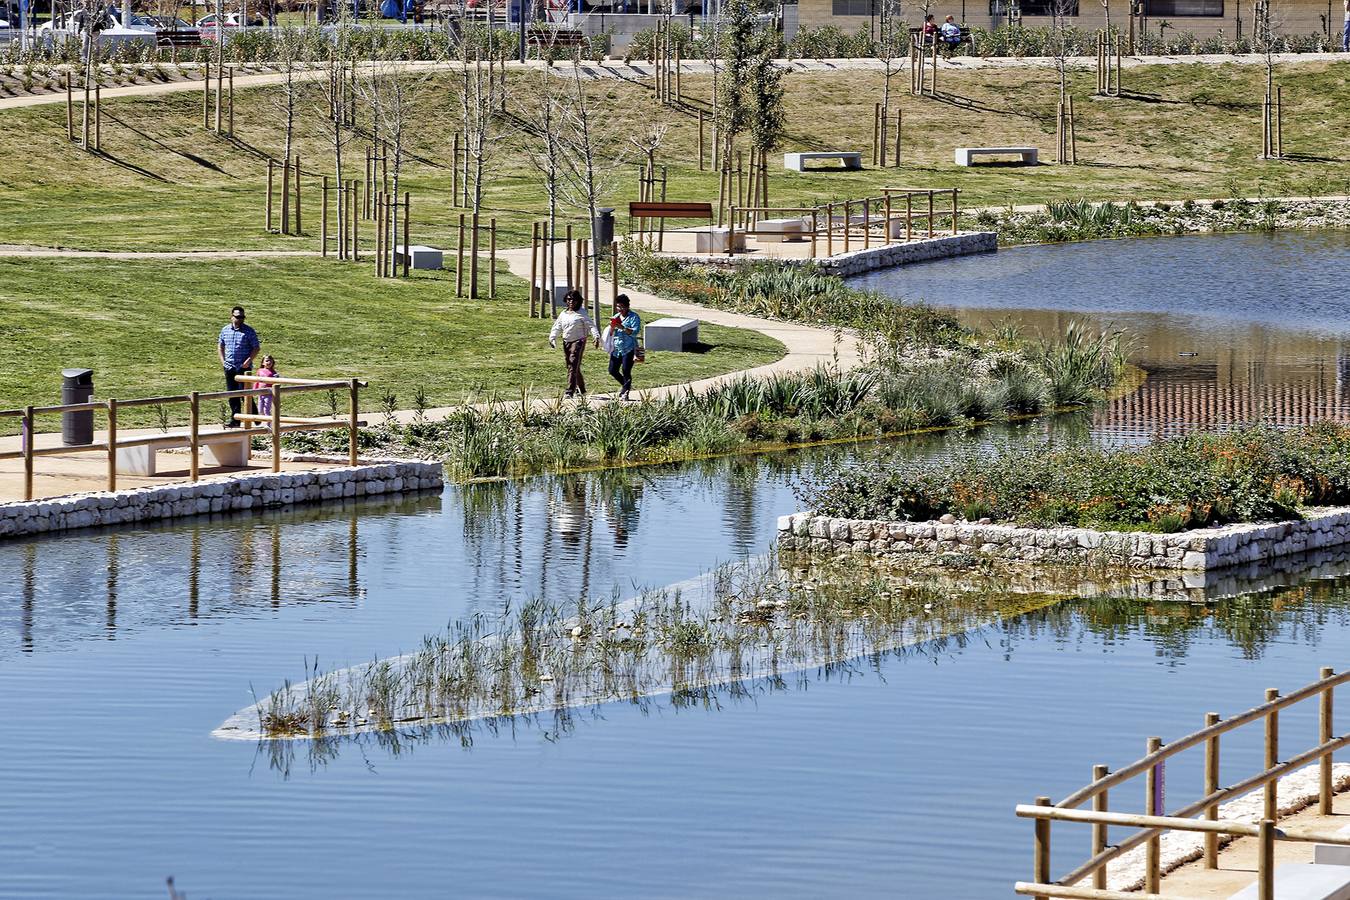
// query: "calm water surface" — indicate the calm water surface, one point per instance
point(120, 651)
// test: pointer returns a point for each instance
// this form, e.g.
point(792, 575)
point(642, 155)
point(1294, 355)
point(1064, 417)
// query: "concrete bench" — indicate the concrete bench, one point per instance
point(779, 230)
point(221, 448)
point(796, 162)
point(422, 257)
point(964, 155)
point(1333, 854)
point(714, 240)
point(1302, 881)
point(671, 334)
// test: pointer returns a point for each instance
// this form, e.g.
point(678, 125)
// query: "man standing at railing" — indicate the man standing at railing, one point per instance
point(237, 347)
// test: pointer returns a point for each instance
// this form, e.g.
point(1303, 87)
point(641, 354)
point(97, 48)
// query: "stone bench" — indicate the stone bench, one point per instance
point(671, 334)
point(714, 240)
point(1333, 854)
point(964, 155)
point(796, 162)
point(422, 257)
point(221, 448)
point(779, 230)
point(1302, 881)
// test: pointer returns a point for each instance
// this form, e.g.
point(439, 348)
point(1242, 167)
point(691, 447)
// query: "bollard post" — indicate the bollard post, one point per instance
point(1041, 848)
point(407, 247)
point(70, 111)
point(534, 267)
point(492, 258)
point(286, 197)
point(1270, 807)
point(299, 227)
point(323, 218)
point(268, 217)
point(28, 440)
point(276, 427)
point(459, 266)
point(206, 95)
point(1153, 807)
point(352, 426)
point(1265, 861)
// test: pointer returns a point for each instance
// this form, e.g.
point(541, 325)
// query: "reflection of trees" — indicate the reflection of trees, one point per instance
point(1249, 622)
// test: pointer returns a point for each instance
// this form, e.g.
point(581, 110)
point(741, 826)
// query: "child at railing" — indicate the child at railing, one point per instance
point(268, 370)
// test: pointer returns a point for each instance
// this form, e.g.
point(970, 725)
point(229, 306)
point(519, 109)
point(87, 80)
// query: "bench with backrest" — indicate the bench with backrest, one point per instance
point(796, 162)
point(927, 40)
point(710, 239)
point(175, 39)
point(965, 155)
point(566, 38)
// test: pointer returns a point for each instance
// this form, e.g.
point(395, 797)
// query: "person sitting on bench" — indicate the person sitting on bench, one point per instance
point(930, 29)
point(951, 32)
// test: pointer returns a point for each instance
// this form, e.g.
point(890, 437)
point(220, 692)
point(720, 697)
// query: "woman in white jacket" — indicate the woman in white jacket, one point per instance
point(572, 325)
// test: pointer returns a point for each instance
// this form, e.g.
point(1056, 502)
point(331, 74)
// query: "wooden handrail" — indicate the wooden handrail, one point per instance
point(1156, 821)
point(275, 423)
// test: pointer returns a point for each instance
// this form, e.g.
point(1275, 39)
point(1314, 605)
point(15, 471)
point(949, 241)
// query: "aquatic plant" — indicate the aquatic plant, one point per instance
point(744, 621)
point(1254, 474)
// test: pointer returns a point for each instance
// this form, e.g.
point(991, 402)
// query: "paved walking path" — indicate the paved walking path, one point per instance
point(639, 70)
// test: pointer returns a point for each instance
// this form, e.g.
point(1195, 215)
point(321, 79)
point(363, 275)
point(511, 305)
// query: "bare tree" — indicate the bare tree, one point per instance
point(481, 98)
point(289, 49)
point(332, 114)
point(892, 42)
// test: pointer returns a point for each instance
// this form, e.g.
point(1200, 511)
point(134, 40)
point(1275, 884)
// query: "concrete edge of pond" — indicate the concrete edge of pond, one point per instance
point(1192, 551)
point(864, 259)
point(242, 491)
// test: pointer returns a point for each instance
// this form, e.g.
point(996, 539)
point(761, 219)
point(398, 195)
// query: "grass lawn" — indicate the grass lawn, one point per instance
point(1188, 130)
point(149, 328)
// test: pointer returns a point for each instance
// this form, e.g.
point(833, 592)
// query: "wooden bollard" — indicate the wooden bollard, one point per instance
point(220, 87)
point(492, 259)
point(459, 265)
point(534, 267)
point(700, 140)
point(379, 233)
point(286, 197)
point(323, 217)
point(70, 112)
point(206, 95)
point(299, 228)
point(613, 273)
point(84, 117)
point(407, 216)
point(268, 218)
point(98, 117)
point(232, 105)
point(356, 221)
point(369, 156)
point(454, 173)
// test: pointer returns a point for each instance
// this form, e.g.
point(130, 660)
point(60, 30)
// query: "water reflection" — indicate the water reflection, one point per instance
point(1233, 328)
point(98, 584)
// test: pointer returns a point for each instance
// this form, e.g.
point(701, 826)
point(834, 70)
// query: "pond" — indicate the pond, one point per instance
point(121, 650)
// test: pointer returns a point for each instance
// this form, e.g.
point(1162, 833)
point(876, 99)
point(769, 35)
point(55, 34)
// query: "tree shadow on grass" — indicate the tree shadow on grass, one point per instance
point(191, 157)
point(971, 103)
point(129, 166)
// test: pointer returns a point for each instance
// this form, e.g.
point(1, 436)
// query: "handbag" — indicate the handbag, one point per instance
point(607, 339)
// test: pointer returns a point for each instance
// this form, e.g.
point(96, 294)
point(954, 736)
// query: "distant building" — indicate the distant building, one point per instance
point(1203, 18)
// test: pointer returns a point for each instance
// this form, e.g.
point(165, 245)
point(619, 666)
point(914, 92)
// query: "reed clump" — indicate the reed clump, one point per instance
point(744, 621)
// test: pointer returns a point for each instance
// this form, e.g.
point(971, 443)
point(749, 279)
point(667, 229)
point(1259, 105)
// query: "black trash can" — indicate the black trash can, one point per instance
point(77, 386)
point(602, 228)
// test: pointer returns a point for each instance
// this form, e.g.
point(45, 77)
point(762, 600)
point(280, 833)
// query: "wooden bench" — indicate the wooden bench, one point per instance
point(175, 39)
point(671, 334)
point(918, 35)
point(1304, 881)
point(796, 162)
point(964, 155)
point(218, 448)
point(567, 38)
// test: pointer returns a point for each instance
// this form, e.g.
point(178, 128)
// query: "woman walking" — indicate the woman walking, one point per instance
point(623, 329)
point(571, 325)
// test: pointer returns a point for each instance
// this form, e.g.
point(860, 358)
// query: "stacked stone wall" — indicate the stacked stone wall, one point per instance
point(234, 493)
point(1199, 549)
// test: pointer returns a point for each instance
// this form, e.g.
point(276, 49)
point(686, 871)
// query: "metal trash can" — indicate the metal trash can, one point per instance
point(77, 386)
point(602, 227)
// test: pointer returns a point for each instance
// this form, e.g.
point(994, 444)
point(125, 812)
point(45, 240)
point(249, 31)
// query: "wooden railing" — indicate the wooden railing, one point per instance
point(1156, 820)
point(859, 224)
point(275, 424)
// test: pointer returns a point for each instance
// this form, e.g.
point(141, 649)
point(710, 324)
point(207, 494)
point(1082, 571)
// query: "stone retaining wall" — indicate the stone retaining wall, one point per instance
point(235, 492)
point(855, 262)
point(1204, 548)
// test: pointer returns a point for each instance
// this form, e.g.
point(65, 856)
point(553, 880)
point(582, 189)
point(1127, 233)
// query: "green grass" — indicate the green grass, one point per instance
point(1184, 131)
point(149, 328)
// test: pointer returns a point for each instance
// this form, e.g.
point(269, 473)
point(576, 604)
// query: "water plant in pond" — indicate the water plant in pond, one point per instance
point(1254, 474)
point(744, 621)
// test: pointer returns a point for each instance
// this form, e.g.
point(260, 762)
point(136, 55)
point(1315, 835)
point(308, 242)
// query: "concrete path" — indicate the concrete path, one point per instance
point(62, 252)
point(638, 70)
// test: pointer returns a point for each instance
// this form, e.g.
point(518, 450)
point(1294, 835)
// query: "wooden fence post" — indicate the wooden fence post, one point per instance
point(1041, 848)
point(194, 429)
point(700, 128)
point(459, 266)
point(112, 444)
point(299, 227)
point(356, 221)
point(98, 118)
point(231, 101)
point(354, 419)
point(29, 438)
point(276, 427)
point(270, 166)
point(1211, 786)
point(70, 111)
point(206, 95)
point(286, 197)
point(1153, 807)
point(1324, 734)
point(613, 274)
point(1100, 803)
point(492, 258)
point(1271, 796)
point(1265, 861)
point(407, 247)
point(534, 267)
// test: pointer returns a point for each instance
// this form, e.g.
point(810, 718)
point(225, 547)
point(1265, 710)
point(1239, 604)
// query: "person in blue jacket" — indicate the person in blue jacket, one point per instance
point(624, 325)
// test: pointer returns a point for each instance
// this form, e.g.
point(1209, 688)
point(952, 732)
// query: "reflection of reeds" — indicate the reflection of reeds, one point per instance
point(748, 620)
